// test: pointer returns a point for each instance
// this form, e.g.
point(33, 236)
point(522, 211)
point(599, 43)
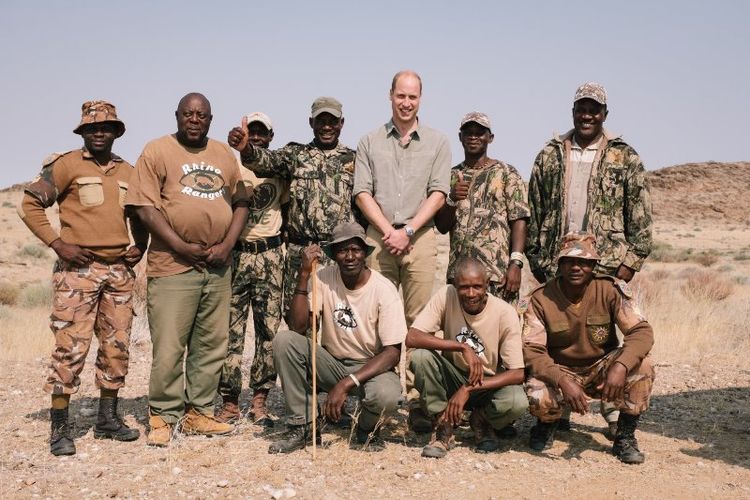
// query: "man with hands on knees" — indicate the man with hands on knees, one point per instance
point(481, 365)
point(187, 191)
point(571, 349)
point(362, 327)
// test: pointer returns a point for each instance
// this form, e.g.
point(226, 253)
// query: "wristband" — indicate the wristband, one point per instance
point(355, 379)
point(298, 291)
point(516, 256)
point(450, 201)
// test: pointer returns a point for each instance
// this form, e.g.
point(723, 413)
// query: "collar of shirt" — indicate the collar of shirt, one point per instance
point(85, 153)
point(328, 152)
point(390, 129)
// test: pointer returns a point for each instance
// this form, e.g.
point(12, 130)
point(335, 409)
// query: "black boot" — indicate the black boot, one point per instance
point(626, 446)
point(295, 438)
point(542, 435)
point(60, 442)
point(109, 425)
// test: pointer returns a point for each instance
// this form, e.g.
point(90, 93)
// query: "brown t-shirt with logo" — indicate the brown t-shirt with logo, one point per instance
point(494, 333)
point(194, 188)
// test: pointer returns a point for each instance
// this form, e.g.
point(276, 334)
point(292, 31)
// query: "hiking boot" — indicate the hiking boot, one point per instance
point(229, 411)
point(485, 437)
point(258, 412)
point(611, 431)
point(507, 432)
point(109, 425)
point(418, 420)
point(295, 438)
point(563, 425)
point(440, 442)
point(60, 442)
point(542, 435)
point(206, 425)
point(160, 433)
point(626, 446)
point(368, 440)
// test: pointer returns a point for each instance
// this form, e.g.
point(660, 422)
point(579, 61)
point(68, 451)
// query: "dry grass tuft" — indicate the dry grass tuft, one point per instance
point(34, 251)
point(37, 295)
point(706, 285)
point(8, 293)
point(706, 259)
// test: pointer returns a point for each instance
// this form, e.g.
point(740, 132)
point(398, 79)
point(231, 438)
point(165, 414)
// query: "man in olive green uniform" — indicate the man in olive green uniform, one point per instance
point(93, 277)
point(572, 352)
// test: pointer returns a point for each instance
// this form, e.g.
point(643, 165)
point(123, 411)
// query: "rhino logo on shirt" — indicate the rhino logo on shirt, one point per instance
point(202, 181)
point(344, 317)
point(468, 336)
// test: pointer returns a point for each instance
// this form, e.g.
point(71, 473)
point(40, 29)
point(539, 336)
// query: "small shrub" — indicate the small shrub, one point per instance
point(706, 285)
point(726, 268)
point(664, 252)
point(33, 250)
point(659, 274)
point(740, 280)
point(743, 255)
point(7, 204)
point(8, 293)
point(36, 295)
point(706, 259)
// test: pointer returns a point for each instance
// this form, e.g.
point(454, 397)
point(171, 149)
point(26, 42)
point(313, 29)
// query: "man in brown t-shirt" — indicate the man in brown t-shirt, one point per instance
point(481, 365)
point(187, 191)
point(93, 277)
point(362, 327)
point(571, 349)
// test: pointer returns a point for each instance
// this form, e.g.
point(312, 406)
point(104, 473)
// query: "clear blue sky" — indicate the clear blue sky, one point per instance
point(677, 73)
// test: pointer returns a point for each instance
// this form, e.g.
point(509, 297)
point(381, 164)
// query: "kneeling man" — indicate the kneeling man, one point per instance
point(572, 352)
point(481, 365)
point(362, 328)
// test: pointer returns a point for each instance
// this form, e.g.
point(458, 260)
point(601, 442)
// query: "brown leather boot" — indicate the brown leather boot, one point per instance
point(229, 411)
point(196, 422)
point(485, 436)
point(258, 411)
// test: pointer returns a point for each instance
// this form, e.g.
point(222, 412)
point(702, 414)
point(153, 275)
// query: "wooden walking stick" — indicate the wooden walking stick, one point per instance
point(314, 356)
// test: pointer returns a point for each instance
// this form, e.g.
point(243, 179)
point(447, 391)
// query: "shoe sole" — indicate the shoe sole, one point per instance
point(115, 437)
point(198, 433)
point(434, 453)
point(65, 453)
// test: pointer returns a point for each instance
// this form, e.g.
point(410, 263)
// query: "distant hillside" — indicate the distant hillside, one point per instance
point(702, 192)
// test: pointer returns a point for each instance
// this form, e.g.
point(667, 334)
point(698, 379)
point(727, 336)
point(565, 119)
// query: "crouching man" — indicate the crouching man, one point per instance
point(362, 328)
point(481, 365)
point(572, 352)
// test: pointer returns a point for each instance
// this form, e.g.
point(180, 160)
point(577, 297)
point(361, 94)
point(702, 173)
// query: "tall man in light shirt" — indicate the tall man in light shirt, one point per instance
point(401, 179)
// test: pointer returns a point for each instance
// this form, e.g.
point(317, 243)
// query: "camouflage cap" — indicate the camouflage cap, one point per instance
point(579, 245)
point(326, 105)
point(344, 232)
point(99, 112)
point(591, 90)
point(259, 117)
point(478, 118)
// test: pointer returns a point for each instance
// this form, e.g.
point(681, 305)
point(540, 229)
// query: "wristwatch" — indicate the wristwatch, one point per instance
point(409, 231)
point(517, 262)
point(450, 201)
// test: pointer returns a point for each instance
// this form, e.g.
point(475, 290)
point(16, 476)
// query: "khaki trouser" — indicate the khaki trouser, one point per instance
point(414, 272)
point(96, 299)
point(437, 380)
point(546, 402)
point(187, 313)
point(292, 353)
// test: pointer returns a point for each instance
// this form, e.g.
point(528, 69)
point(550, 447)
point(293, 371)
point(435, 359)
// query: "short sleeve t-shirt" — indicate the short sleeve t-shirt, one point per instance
point(356, 324)
point(267, 197)
point(494, 333)
point(193, 188)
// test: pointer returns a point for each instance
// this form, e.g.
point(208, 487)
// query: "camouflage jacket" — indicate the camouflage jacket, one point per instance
point(618, 210)
point(497, 197)
point(320, 186)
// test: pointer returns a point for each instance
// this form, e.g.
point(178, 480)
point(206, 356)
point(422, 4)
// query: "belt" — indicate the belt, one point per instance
point(303, 242)
point(259, 246)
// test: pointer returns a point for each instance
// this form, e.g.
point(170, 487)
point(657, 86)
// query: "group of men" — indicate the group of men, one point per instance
point(225, 238)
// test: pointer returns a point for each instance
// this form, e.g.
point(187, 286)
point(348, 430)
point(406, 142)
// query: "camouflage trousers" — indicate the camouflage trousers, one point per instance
point(97, 299)
point(256, 283)
point(291, 271)
point(546, 402)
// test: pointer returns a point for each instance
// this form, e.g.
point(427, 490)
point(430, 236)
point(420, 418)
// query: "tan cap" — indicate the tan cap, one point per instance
point(591, 90)
point(326, 105)
point(257, 116)
point(478, 118)
point(579, 245)
point(99, 112)
point(344, 232)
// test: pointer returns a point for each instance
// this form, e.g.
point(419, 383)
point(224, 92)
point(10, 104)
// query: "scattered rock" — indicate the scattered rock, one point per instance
point(223, 483)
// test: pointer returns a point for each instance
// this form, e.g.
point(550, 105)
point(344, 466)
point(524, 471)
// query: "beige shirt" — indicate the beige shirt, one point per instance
point(266, 199)
point(193, 188)
point(581, 161)
point(401, 177)
point(356, 324)
point(494, 333)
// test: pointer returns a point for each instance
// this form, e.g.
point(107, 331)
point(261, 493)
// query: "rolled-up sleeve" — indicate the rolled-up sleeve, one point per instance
point(363, 168)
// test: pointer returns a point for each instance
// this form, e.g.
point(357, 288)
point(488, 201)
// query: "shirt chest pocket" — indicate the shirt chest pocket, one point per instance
point(90, 191)
point(559, 335)
point(122, 192)
point(598, 329)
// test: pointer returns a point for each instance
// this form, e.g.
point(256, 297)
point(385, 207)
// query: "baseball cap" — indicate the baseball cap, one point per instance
point(257, 116)
point(478, 118)
point(326, 105)
point(591, 90)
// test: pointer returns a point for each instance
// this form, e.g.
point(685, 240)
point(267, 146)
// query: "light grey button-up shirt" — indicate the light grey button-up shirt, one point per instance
point(401, 177)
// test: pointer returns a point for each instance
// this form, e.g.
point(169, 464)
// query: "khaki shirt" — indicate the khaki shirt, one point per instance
point(400, 177)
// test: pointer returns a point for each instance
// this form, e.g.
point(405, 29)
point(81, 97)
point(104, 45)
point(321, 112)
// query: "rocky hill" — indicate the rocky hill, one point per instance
point(702, 192)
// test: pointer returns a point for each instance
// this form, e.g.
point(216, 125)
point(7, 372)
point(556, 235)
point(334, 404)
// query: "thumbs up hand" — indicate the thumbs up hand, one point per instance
point(239, 137)
point(460, 189)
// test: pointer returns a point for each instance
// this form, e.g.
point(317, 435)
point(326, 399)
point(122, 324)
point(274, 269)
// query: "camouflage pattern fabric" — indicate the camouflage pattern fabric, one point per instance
point(320, 186)
point(546, 401)
point(497, 197)
point(291, 274)
point(618, 211)
point(256, 282)
point(97, 299)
